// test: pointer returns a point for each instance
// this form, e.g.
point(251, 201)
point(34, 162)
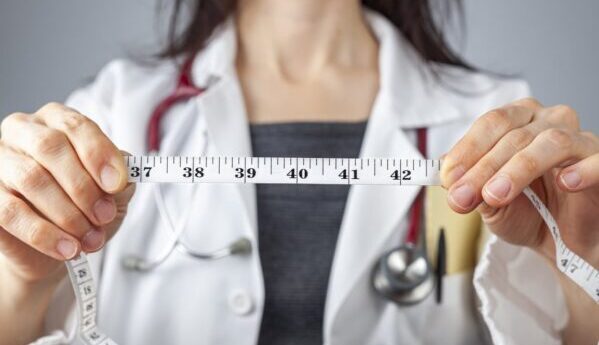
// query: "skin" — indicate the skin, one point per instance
point(297, 61)
point(297, 64)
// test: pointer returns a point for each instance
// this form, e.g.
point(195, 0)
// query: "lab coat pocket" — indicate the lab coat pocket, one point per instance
point(462, 233)
point(454, 319)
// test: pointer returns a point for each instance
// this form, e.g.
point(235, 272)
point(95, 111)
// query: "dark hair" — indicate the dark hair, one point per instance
point(417, 20)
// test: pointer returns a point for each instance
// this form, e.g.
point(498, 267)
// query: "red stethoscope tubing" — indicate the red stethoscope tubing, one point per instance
point(185, 89)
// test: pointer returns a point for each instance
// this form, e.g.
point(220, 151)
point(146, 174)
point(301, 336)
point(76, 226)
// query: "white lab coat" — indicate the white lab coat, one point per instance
point(188, 301)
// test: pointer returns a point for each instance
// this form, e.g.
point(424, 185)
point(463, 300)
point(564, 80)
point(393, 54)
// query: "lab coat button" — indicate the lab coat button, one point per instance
point(241, 303)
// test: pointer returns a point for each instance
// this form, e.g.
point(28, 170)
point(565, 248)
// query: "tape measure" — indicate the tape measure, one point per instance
point(273, 170)
point(418, 172)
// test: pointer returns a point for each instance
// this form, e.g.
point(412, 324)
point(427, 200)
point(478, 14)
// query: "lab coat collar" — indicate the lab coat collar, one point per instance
point(217, 59)
point(408, 87)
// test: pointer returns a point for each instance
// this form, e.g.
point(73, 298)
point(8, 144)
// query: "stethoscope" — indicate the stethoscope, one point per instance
point(241, 246)
point(402, 275)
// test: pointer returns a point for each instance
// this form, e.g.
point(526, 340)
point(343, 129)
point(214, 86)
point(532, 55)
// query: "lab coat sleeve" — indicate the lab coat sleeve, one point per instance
point(521, 300)
point(94, 101)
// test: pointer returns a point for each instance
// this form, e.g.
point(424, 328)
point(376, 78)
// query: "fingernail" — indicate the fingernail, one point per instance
point(499, 188)
point(571, 179)
point(110, 178)
point(104, 210)
point(462, 196)
point(93, 240)
point(67, 248)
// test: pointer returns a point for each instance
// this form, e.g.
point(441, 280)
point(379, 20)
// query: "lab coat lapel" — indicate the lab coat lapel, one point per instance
point(374, 215)
point(223, 107)
point(371, 215)
point(228, 131)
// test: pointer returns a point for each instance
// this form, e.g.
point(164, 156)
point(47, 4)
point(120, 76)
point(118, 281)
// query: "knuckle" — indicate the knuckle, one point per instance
point(565, 114)
point(485, 169)
point(560, 138)
point(49, 143)
point(9, 210)
point(564, 109)
point(528, 163)
point(590, 135)
point(532, 101)
point(73, 121)
point(496, 119)
point(465, 149)
point(469, 147)
point(97, 150)
point(71, 221)
point(32, 178)
point(11, 119)
point(519, 138)
point(52, 107)
point(38, 234)
point(82, 188)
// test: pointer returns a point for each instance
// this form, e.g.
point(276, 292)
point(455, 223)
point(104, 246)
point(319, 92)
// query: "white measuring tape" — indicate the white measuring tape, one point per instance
point(352, 171)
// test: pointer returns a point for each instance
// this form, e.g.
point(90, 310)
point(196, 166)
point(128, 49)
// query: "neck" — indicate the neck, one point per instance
point(297, 39)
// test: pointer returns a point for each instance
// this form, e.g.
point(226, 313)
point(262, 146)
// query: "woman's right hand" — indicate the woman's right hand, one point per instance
point(63, 189)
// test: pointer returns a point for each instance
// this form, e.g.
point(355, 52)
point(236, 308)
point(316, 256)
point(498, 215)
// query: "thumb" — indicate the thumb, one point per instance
point(121, 200)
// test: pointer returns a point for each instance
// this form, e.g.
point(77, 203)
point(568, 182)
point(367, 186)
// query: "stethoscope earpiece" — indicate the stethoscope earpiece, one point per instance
point(403, 275)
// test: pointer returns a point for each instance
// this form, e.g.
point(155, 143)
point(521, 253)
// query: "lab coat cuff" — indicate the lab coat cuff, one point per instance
point(521, 298)
point(57, 337)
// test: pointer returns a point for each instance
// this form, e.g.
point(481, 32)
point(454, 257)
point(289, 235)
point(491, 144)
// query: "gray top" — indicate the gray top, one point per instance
point(298, 228)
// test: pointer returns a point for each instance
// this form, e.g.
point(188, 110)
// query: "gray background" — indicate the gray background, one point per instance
point(48, 48)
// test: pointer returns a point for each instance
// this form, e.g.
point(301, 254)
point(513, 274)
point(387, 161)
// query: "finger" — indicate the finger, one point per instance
point(25, 176)
point(480, 138)
point(552, 148)
point(98, 154)
point(580, 176)
point(52, 149)
point(18, 219)
point(465, 194)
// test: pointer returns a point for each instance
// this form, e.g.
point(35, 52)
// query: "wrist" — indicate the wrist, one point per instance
point(23, 305)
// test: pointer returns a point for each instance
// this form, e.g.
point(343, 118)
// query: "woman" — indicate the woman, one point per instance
point(312, 78)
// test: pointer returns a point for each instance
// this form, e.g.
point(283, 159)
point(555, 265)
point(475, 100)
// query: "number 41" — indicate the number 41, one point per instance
point(345, 175)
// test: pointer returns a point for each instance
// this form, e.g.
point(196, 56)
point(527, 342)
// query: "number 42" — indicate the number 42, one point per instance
point(405, 175)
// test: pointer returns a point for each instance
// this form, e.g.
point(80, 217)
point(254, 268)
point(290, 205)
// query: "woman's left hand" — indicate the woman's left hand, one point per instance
point(522, 144)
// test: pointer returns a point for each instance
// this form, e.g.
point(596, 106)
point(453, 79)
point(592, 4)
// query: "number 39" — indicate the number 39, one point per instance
point(249, 173)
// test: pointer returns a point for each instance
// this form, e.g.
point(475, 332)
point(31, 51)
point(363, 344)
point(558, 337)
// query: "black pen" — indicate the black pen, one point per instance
point(441, 265)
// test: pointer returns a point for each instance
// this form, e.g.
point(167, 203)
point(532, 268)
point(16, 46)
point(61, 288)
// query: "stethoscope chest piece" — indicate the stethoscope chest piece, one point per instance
point(403, 275)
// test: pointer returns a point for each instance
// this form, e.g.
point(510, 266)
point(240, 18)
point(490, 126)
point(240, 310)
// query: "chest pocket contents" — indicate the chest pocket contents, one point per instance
point(463, 233)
